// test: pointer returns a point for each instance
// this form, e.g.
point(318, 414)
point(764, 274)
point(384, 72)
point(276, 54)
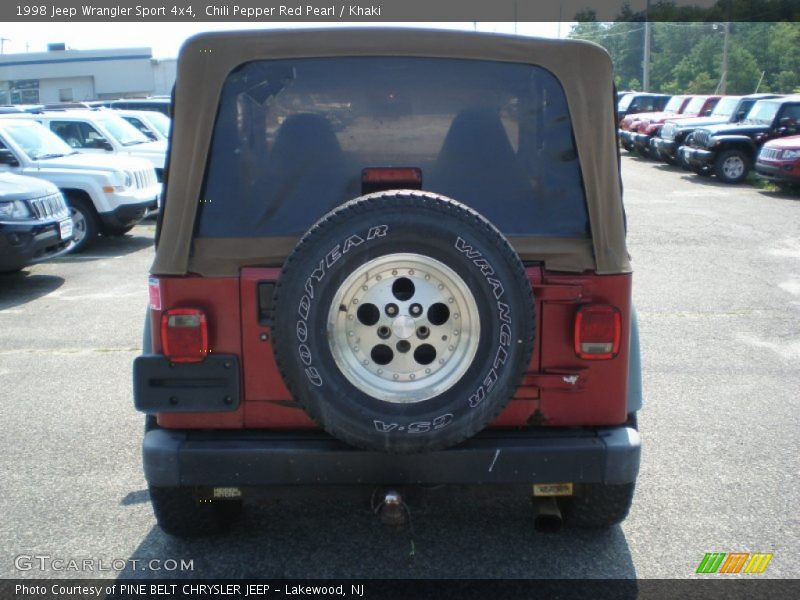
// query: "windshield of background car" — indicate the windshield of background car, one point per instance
point(122, 131)
point(674, 104)
point(625, 102)
point(695, 104)
point(726, 106)
point(763, 112)
point(36, 140)
point(292, 137)
point(160, 122)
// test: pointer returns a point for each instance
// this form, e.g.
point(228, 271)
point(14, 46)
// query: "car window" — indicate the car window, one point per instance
point(160, 122)
point(35, 140)
point(791, 111)
point(122, 131)
point(292, 137)
point(674, 104)
point(138, 124)
point(77, 134)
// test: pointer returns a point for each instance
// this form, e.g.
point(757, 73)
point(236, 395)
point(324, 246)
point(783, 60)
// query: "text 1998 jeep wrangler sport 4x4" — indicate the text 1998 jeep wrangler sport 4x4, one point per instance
point(390, 259)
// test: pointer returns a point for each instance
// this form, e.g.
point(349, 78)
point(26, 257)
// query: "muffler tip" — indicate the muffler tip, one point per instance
point(547, 517)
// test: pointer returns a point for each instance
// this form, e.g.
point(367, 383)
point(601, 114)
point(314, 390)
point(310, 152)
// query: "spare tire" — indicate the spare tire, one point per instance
point(404, 321)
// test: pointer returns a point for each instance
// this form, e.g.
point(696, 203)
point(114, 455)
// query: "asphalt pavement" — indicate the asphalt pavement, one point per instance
point(717, 288)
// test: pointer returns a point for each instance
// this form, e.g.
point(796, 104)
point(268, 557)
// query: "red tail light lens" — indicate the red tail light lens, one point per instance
point(184, 335)
point(597, 332)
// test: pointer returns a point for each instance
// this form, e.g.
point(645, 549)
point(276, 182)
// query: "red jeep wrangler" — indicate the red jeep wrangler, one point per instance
point(390, 259)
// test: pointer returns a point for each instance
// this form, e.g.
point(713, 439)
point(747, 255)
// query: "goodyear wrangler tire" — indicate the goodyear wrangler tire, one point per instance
point(404, 322)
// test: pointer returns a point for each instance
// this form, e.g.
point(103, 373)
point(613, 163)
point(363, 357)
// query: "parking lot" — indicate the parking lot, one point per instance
point(717, 288)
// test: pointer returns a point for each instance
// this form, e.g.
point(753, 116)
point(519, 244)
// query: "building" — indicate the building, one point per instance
point(79, 75)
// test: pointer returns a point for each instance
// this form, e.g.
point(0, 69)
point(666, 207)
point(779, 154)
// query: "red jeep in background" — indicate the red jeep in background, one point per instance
point(628, 126)
point(387, 259)
point(649, 127)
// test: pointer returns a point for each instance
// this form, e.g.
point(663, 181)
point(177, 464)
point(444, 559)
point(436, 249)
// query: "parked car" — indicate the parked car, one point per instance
point(730, 109)
point(101, 132)
point(151, 123)
point(779, 160)
point(155, 103)
point(649, 126)
point(34, 222)
point(640, 102)
point(324, 316)
point(20, 108)
point(628, 126)
point(106, 194)
point(728, 151)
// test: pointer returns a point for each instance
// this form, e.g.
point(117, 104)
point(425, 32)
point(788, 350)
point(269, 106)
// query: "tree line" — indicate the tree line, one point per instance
point(686, 57)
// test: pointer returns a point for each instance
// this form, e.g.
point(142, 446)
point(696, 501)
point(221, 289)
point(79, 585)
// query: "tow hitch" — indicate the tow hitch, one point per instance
point(392, 510)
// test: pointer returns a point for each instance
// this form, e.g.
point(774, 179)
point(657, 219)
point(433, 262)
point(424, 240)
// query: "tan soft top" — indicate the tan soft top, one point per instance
point(584, 70)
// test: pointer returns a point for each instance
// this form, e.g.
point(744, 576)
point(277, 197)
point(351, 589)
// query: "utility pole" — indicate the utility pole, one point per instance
point(3, 41)
point(646, 60)
point(723, 79)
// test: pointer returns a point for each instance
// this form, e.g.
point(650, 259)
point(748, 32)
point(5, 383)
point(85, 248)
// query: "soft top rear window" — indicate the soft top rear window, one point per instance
point(292, 138)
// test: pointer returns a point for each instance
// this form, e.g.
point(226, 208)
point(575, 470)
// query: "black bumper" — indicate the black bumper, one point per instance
point(24, 243)
point(127, 215)
point(641, 141)
point(697, 157)
point(665, 147)
point(626, 137)
point(258, 458)
point(777, 172)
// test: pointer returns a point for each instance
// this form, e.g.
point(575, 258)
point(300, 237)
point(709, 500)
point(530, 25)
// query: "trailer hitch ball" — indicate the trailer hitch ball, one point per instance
point(392, 511)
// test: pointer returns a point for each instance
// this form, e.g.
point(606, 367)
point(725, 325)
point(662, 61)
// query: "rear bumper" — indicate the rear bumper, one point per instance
point(784, 172)
point(258, 458)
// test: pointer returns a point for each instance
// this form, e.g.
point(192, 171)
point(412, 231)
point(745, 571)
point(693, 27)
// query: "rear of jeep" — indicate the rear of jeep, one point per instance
point(390, 260)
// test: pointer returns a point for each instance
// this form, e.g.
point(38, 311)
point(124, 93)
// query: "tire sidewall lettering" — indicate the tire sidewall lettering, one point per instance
point(479, 262)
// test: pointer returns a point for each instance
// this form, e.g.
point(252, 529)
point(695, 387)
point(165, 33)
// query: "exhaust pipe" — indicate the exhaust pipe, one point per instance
point(547, 516)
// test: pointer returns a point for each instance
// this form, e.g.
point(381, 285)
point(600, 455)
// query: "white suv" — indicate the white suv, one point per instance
point(106, 193)
point(100, 132)
point(150, 122)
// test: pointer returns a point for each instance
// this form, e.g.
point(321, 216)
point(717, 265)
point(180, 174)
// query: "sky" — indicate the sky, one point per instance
point(166, 38)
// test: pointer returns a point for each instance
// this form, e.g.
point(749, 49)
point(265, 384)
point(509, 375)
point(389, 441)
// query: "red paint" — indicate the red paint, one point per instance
point(218, 298)
point(559, 388)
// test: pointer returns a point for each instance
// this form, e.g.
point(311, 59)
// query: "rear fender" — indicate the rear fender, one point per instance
point(635, 395)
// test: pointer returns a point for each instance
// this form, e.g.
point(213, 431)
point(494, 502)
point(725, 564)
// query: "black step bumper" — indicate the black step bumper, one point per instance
point(257, 458)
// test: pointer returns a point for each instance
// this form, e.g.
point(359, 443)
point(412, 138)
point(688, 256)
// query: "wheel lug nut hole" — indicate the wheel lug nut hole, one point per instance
point(423, 332)
point(392, 310)
point(384, 332)
point(403, 346)
point(368, 314)
point(382, 354)
point(403, 289)
point(438, 313)
point(415, 310)
point(425, 354)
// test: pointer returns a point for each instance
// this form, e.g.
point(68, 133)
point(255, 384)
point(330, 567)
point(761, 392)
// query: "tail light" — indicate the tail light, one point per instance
point(597, 332)
point(184, 335)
